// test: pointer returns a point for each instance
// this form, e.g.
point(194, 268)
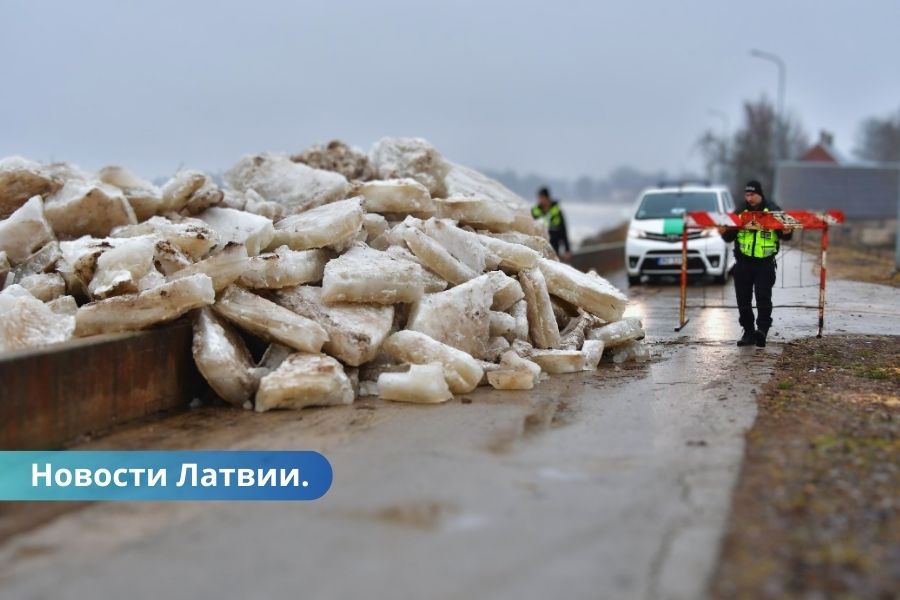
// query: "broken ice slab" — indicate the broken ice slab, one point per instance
point(277, 179)
point(256, 204)
point(575, 332)
point(64, 305)
point(507, 292)
point(512, 256)
point(191, 192)
point(42, 261)
point(337, 156)
point(374, 225)
point(459, 316)
point(222, 358)
point(223, 267)
point(519, 311)
point(366, 275)
point(465, 246)
point(461, 371)
point(433, 282)
point(541, 321)
point(355, 331)
point(253, 231)
point(502, 324)
point(21, 179)
point(305, 380)
point(436, 258)
point(618, 333)
point(537, 243)
point(415, 158)
point(510, 379)
point(119, 269)
point(585, 290)
point(87, 208)
point(284, 268)
point(559, 361)
point(194, 237)
point(145, 198)
point(511, 360)
point(274, 355)
point(592, 351)
point(269, 320)
point(632, 350)
point(134, 312)
point(4, 268)
point(421, 384)
point(477, 212)
point(26, 322)
point(496, 346)
point(331, 225)
point(399, 196)
point(44, 286)
point(25, 231)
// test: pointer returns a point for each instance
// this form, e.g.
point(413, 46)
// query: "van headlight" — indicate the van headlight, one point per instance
point(635, 233)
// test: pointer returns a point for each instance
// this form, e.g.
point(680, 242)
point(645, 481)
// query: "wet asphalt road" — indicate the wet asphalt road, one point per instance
point(608, 485)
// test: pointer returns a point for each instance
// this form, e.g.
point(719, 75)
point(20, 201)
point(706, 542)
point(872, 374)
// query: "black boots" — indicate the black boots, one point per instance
point(749, 338)
point(760, 339)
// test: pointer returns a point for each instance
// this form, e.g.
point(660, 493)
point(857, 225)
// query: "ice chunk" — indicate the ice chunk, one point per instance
point(433, 281)
point(4, 268)
point(44, 286)
point(541, 321)
point(475, 212)
point(223, 267)
point(21, 179)
point(284, 268)
point(256, 204)
point(190, 191)
point(133, 312)
point(592, 351)
point(145, 198)
point(25, 231)
point(496, 346)
point(510, 379)
point(119, 269)
point(461, 371)
point(365, 275)
point(330, 225)
point(463, 181)
point(87, 208)
point(338, 157)
point(513, 256)
point(585, 290)
point(398, 196)
point(538, 243)
point(223, 359)
point(42, 261)
point(269, 320)
point(422, 384)
point(573, 336)
point(618, 333)
point(436, 258)
point(508, 291)
point(274, 355)
point(519, 311)
point(355, 331)
point(194, 237)
point(374, 225)
point(502, 324)
point(631, 350)
point(559, 361)
point(253, 231)
point(465, 246)
point(26, 322)
point(305, 380)
point(511, 360)
point(297, 186)
point(64, 305)
point(415, 158)
point(459, 317)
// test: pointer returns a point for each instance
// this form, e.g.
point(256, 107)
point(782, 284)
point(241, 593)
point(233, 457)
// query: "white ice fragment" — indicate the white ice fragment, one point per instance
point(21, 179)
point(4, 268)
point(331, 225)
point(134, 312)
point(44, 286)
point(541, 321)
point(459, 317)
point(462, 245)
point(618, 333)
point(585, 290)
point(436, 258)
point(415, 158)
point(632, 350)
point(461, 371)
point(26, 322)
point(365, 275)
point(374, 225)
point(305, 380)
point(421, 384)
point(559, 361)
point(573, 336)
point(223, 359)
point(64, 305)
point(277, 179)
point(223, 267)
point(190, 191)
point(476, 212)
point(145, 198)
point(511, 360)
point(355, 331)
point(253, 231)
point(87, 208)
point(519, 312)
point(502, 324)
point(592, 351)
point(42, 261)
point(256, 204)
point(194, 237)
point(508, 291)
point(496, 346)
point(396, 196)
point(25, 231)
point(433, 281)
point(513, 256)
point(119, 269)
point(269, 320)
point(510, 379)
point(284, 268)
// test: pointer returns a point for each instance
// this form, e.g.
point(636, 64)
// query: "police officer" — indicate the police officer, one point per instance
point(549, 210)
point(754, 270)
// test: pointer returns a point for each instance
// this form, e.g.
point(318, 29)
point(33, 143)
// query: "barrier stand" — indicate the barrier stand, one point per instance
point(791, 220)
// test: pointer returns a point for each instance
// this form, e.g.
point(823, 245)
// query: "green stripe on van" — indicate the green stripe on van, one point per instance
point(671, 226)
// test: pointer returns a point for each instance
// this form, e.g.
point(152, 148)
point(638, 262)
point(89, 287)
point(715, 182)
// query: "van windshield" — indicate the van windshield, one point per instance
point(665, 205)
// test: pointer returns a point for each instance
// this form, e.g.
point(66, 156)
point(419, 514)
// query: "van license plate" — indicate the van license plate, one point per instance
point(667, 261)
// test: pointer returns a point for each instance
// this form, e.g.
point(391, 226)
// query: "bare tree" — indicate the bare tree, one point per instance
point(879, 139)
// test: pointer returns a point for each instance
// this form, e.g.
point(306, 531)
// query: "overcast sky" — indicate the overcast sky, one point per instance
point(559, 88)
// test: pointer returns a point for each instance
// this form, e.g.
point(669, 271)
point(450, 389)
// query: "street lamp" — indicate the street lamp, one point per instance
point(782, 76)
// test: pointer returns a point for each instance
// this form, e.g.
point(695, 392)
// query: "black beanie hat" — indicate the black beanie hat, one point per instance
point(755, 187)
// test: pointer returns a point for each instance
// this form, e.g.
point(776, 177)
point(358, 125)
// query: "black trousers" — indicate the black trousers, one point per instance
point(754, 276)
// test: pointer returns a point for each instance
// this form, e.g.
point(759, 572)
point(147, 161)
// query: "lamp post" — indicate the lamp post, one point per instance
point(782, 76)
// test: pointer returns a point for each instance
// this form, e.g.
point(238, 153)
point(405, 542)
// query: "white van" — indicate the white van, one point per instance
point(653, 246)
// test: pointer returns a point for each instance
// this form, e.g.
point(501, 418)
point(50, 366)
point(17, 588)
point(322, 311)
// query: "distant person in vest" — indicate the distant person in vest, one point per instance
point(548, 209)
point(754, 270)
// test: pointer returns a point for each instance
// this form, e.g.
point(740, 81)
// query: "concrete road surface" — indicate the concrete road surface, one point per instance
point(608, 485)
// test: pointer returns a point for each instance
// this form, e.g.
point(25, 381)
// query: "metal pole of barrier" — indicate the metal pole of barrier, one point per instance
point(684, 239)
point(822, 280)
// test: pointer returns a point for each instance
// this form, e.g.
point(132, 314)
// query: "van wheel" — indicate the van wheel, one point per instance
point(634, 280)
